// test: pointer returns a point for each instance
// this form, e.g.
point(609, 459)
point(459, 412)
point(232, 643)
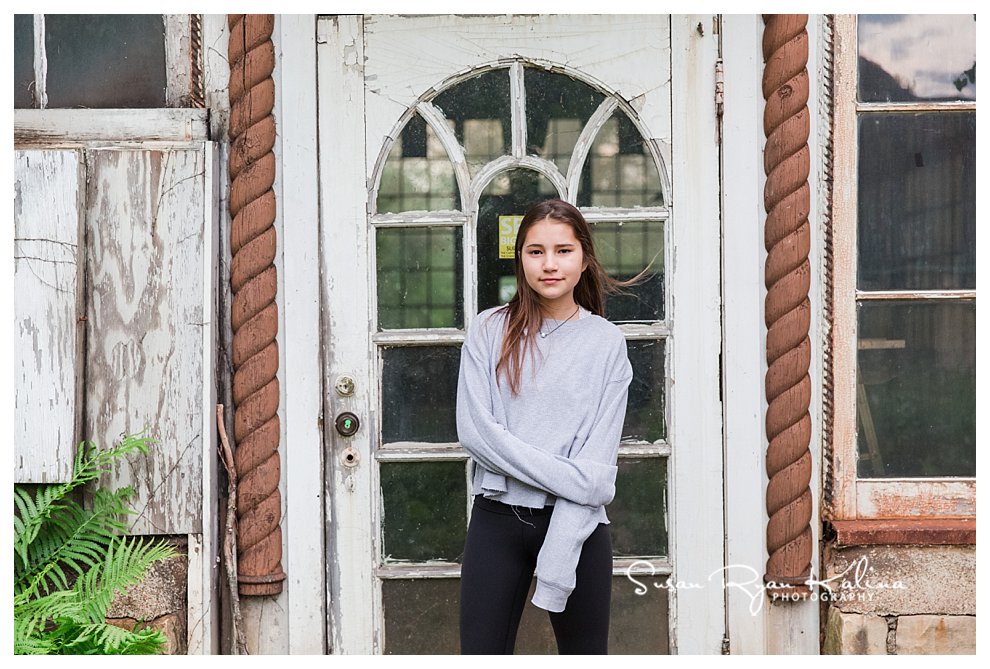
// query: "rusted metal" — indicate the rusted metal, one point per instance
point(828, 385)
point(254, 314)
point(196, 92)
point(905, 531)
point(787, 237)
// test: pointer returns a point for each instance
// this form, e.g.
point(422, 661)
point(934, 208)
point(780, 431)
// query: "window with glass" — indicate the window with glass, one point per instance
point(104, 61)
point(462, 168)
point(905, 277)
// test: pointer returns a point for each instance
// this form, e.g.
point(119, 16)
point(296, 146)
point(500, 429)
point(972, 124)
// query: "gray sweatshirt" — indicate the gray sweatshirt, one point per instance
point(557, 441)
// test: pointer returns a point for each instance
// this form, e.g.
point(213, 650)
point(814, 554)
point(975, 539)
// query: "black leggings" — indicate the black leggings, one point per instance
point(499, 560)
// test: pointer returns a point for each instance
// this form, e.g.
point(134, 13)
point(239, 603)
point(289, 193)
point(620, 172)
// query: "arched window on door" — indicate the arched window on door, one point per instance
point(476, 154)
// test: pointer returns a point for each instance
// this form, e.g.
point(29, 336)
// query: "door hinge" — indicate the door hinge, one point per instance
point(719, 87)
point(725, 645)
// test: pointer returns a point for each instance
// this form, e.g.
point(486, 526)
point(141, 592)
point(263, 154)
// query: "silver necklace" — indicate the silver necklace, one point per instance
point(547, 334)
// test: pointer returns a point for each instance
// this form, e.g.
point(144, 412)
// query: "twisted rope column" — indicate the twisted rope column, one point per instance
point(787, 236)
point(254, 314)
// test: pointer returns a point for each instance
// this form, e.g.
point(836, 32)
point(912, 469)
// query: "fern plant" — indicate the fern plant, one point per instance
point(70, 561)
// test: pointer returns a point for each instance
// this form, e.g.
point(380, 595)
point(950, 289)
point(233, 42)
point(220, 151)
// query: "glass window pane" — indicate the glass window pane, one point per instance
point(23, 61)
point(509, 194)
point(105, 60)
point(482, 116)
point(619, 170)
point(910, 57)
point(557, 109)
point(424, 511)
point(646, 407)
point(638, 623)
point(419, 392)
point(422, 617)
point(625, 249)
point(916, 388)
point(420, 277)
point(917, 201)
point(418, 175)
point(639, 510)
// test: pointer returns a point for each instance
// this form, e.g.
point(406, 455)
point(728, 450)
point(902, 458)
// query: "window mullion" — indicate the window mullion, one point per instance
point(518, 101)
point(40, 62)
point(916, 295)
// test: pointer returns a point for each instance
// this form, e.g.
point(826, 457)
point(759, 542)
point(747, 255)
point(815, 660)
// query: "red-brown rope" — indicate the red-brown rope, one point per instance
point(254, 314)
point(787, 199)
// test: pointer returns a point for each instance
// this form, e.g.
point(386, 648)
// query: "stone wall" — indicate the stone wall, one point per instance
point(900, 600)
point(160, 601)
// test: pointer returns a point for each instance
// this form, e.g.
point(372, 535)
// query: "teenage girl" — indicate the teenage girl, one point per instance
point(541, 401)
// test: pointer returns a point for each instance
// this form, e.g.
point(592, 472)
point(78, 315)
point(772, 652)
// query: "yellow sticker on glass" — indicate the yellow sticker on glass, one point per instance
point(508, 226)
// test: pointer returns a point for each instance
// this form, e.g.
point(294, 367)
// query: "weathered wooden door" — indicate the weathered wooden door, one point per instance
point(436, 133)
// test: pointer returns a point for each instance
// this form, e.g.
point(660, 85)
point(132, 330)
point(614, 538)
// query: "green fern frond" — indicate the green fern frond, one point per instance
point(56, 541)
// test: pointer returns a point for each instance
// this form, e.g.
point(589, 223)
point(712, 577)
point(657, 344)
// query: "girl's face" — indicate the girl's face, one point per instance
point(553, 260)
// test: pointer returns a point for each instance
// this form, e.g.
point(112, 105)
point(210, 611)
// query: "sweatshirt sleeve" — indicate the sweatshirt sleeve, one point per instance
point(571, 524)
point(589, 481)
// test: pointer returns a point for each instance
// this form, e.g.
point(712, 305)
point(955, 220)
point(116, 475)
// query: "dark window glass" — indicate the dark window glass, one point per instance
point(625, 249)
point(418, 174)
point(23, 61)
point(646, 406)
point(425, 514)
point(639, 510)
point(105, 60)
point(917, 201)
point(419, 392)
point(480, 111)
point(913, 57)
point(619, 170)
point(557, 109)
point(638, 623)
point(420, 282)
point(916, 388)
point(422, 616)
point(509, 195)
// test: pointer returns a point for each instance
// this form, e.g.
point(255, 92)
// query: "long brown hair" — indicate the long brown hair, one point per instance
point(525, 314)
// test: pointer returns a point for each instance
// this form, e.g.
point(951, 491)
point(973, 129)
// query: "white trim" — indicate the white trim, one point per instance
point(203, 633)
point(916, 295)
point(505, 163)
point(302, 448)
point(52, 128)
point(844, 353)
point(697, 616)
point(743, 337)
point(345, 244)
point(178, 59)
point(517, 104)
point(417, 219)
point(216, 75)
point(40, 63)
point(436, 120)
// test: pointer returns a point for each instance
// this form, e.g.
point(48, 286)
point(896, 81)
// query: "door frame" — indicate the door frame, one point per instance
point(697, 617)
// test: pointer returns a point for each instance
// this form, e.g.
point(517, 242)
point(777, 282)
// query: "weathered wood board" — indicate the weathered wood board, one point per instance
point(46, 280)
point(144, 353)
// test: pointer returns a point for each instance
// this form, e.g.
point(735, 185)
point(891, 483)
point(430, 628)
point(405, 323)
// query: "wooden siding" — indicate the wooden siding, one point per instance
point(139, 279)
point(144, 229)
point(46, 281)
